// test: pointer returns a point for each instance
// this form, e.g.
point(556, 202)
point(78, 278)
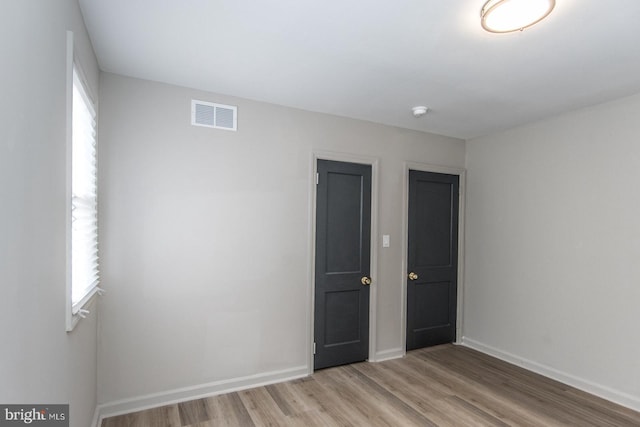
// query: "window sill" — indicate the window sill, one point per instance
point(82, 309)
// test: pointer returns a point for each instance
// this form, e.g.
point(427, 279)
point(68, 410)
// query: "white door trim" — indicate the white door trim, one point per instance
point(350, 158)
point(424, 167)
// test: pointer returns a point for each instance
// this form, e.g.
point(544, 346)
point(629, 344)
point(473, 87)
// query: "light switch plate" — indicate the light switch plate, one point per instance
point(385, 240)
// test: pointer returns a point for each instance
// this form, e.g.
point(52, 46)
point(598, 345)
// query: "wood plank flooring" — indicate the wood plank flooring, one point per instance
point(439, 386)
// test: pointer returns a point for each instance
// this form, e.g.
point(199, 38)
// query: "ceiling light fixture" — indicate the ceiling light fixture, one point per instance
point(506, 16)
point(419, 111)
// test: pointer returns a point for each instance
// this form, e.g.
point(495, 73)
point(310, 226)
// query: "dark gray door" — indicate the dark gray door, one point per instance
point(343, 242)
point(432, 259)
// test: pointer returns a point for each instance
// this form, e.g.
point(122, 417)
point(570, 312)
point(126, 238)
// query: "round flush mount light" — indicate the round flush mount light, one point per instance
point(505, 16)
point(419, 111)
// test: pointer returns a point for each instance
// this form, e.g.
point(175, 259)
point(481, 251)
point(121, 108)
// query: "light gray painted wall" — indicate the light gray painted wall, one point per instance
point(205, 233)
point(39, 361)
point(553, 242)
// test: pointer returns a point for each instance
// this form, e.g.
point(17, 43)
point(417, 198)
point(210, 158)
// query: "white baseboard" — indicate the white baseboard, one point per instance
point(616, 396)
point(171, 397)
point(394, 353)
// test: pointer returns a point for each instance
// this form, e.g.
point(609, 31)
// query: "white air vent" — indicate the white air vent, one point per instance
point(212, 115)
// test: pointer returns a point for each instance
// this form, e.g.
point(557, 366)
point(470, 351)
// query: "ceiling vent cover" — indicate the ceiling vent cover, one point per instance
point(217, 116)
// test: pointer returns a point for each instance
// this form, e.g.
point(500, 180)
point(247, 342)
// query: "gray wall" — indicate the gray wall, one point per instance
point(39, 361)
point(206, 234)
point(553, 243)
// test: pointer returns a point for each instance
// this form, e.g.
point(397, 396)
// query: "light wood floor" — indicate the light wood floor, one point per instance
point(441, 386)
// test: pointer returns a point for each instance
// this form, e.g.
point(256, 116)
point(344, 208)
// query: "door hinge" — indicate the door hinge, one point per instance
point(314, 348)
point(317, 178)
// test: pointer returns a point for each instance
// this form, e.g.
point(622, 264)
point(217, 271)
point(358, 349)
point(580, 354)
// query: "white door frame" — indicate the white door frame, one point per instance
point(424, 167)
point(373, 288)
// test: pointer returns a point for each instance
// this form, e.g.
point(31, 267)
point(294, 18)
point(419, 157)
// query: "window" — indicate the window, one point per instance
point(83, 251)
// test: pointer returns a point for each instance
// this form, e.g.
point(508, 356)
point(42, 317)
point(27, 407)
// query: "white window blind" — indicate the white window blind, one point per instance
point(84, 198)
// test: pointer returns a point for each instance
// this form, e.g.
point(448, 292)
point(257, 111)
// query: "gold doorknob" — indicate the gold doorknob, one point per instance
point(413, 276)
point(366, 281)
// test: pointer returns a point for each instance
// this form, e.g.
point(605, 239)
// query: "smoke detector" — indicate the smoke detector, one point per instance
point(419, 111)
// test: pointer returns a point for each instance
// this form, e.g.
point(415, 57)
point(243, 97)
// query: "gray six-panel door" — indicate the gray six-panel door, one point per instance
point(343, 246)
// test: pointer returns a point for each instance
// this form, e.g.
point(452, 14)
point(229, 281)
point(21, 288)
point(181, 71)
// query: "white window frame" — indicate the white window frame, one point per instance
point(76, 79)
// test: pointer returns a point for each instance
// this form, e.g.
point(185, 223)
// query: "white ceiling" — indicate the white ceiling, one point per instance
point(374, 60)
